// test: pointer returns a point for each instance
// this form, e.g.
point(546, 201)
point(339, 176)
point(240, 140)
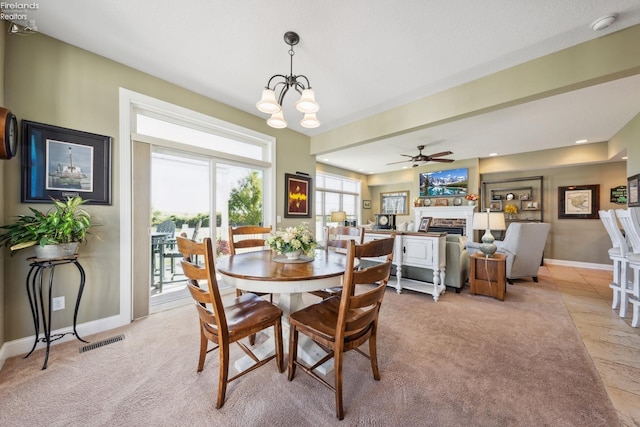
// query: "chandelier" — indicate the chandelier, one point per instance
point(306, 104)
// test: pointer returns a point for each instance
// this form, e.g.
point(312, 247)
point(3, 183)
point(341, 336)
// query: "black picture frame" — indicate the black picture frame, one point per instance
point(49, 169)
point(579, 202)
point(633, 185)
point(366, 204)
point(298, 196)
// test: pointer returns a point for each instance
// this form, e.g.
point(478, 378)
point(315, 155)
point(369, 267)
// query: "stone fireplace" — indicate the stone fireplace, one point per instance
point(455, 217)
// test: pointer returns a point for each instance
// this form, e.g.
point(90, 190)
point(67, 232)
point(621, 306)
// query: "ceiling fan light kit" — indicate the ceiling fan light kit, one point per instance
point(306, 104)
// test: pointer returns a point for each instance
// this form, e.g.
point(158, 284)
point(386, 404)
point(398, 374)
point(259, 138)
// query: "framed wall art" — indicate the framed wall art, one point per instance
point(59, 162)
point(619, 195)
point(633, 182)
point(425, 221)
point(579, 202)
point(395, 203)
point(298, 191)
point(366, 204)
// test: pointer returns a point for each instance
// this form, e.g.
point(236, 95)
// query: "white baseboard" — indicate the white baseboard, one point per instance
point(23, 345)
point(577, 264)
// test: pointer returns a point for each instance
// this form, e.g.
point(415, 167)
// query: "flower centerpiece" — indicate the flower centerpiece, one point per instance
point(511, 211)
point(471, 198)
point(293, 241)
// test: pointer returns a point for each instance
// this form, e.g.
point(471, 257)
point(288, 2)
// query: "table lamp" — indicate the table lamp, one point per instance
point(338, 217)
point(486, 221)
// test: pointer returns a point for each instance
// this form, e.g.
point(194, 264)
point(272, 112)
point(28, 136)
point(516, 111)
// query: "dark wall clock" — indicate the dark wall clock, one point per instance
point(8, 134)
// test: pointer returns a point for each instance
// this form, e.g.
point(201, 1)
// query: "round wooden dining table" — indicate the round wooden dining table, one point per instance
point(265, 271)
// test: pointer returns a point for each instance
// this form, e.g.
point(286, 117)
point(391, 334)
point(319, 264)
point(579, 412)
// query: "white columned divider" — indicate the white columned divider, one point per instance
point(449, 212)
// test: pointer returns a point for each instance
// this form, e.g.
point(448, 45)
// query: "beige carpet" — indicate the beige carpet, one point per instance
point(463, 361)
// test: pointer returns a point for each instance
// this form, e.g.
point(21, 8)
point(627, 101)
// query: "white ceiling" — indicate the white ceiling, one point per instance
point(364, 57)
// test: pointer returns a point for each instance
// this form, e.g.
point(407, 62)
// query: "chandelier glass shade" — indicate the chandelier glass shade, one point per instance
point(280, 83)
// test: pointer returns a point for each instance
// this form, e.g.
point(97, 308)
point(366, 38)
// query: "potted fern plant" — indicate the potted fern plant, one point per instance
point(55, 233)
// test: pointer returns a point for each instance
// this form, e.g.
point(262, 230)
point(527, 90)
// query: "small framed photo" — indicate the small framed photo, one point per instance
point(366, 204)
point(442, 202)
point(633, 182)
point(424, 224)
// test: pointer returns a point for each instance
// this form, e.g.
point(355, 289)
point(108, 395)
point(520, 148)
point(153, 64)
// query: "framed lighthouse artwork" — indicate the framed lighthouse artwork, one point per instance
point(59, 162)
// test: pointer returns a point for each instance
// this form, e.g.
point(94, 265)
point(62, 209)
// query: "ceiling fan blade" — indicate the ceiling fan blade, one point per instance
point(444, 153)
point(401, 161)
point(443, 160)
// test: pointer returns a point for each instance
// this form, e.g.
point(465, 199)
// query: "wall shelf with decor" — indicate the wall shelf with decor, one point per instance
point(524, 195)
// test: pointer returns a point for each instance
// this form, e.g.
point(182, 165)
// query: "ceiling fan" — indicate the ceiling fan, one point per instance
point(424, 158)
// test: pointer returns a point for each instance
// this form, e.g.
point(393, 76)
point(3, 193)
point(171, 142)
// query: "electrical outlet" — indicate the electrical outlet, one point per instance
point(58, 304)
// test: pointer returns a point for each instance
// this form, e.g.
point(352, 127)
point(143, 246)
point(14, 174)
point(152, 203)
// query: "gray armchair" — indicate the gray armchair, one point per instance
point(523, 245)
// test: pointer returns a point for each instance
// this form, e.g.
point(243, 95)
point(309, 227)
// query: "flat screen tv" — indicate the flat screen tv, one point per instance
point(446, 183)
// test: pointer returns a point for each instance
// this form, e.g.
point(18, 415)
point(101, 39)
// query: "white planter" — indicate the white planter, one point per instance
point(56, 251)
point(294, 254)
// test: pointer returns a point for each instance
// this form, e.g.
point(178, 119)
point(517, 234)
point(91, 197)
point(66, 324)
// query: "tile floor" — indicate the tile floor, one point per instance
point(612, 343)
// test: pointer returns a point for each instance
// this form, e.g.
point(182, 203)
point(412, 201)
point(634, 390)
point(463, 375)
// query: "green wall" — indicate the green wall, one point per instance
point(51, 82)
point(55, 83)
point(3, 33)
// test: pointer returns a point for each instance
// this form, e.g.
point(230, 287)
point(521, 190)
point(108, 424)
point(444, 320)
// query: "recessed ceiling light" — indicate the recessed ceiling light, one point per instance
point(582, 141)
point(625, 158)
point(326, 160)
point(493, 154)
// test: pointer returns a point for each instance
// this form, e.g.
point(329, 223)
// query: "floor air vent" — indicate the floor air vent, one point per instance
point(101, 343)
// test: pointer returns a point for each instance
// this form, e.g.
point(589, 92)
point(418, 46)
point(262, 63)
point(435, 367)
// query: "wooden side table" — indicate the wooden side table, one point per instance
point(488, 275)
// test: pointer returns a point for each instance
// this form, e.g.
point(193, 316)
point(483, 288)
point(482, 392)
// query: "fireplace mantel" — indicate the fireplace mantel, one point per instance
point(457, 212)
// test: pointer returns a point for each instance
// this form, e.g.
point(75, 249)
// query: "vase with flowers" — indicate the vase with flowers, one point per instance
point(511, 211)
point(293, 241)
point(472, 198)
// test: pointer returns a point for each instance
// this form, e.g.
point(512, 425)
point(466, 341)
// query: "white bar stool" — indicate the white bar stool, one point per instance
point(618, 254)
point(631, 227)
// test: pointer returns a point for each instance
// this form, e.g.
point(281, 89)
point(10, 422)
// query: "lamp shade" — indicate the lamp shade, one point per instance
point(277, 120)
point(338, 216)
point(307, 102)
point(310, 121)
point(268, 103)
point(488, 220)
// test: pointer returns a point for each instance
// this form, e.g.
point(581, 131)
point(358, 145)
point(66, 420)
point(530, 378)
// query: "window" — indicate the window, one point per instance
point(240, 165)
point(335, 193)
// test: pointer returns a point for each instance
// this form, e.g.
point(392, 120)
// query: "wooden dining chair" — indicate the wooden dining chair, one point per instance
point(249, 238)
point(336, 239)
point(344, 323)
point(224, 325)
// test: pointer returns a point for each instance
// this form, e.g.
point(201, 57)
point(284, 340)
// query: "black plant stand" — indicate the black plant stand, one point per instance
point(34, 283)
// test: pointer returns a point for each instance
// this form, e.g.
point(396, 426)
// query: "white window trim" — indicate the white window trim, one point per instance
point(129, 102)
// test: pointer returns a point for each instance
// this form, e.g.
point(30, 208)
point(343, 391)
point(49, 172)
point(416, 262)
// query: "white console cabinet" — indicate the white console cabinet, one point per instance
point(423, 250)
